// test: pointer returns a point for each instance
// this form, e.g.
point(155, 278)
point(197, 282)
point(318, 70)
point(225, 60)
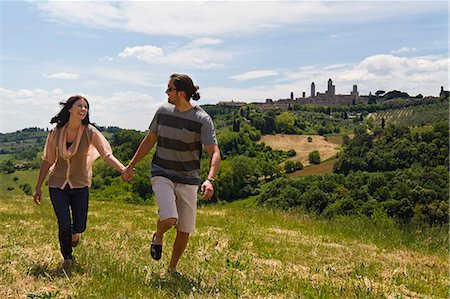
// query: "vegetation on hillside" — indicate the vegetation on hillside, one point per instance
point(393, 172)
point(374, 158)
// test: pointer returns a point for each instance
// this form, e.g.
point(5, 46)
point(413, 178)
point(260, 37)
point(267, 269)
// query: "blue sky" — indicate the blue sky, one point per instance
point(120, 54)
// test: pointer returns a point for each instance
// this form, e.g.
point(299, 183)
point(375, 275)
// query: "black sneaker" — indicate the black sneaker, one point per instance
point(155, 249)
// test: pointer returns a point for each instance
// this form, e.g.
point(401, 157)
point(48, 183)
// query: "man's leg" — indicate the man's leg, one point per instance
point(179, 246)
point(161, 227)
point(167, 211)
point(187, 207)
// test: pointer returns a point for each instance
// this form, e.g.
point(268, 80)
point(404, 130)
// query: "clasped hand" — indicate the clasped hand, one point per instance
point(128, 172)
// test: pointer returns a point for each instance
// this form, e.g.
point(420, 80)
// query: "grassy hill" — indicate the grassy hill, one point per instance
point(238, 251)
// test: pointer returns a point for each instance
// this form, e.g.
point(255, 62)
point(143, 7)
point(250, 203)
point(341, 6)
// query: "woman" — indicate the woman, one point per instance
point(70, 150)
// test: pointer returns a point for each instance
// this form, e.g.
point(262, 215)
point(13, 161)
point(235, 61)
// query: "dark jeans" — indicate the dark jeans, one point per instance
point(77, 200)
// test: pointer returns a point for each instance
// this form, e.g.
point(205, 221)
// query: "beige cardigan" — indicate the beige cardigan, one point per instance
point(73, 165)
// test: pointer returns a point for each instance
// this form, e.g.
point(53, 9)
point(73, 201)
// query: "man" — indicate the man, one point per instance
point(179, 129)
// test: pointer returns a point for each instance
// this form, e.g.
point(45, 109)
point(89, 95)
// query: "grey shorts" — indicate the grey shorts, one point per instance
point(176, 200)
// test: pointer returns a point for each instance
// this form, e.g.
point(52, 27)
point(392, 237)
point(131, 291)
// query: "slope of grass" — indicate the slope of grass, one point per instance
point(23, 177)
point(237, 252)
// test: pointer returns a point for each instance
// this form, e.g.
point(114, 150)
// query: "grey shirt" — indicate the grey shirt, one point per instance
point(180, 136)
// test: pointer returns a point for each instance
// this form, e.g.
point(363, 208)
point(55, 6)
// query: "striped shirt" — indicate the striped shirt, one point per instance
point(180, 136)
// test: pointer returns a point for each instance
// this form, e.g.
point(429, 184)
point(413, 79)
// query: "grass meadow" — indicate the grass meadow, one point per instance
point(238, 251)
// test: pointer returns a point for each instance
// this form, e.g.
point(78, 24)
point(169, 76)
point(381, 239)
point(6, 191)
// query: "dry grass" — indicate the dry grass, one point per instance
point(299, 143)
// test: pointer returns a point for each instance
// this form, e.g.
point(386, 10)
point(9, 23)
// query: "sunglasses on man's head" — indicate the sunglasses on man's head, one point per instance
point(169, 88)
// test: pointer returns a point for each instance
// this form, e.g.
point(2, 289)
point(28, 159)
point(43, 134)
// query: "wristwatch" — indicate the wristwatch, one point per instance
point(211, 180)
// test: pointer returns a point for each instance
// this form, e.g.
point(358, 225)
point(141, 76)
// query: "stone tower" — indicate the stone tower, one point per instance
point(313, 89)
point(331, 89)
point(355, 93)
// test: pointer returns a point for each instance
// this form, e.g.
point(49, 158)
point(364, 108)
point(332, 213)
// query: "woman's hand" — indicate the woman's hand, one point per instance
point(37, 195)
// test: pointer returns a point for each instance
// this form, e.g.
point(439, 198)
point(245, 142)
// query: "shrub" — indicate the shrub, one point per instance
point(26, 188)
point(314, 157)
point(291, 153)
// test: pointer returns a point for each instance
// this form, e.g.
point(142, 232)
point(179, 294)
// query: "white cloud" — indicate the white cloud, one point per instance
point(254, 75)
point(213, 18)
point(403, 50)
point(64, 76)
point(145, 53)
point(194, 55)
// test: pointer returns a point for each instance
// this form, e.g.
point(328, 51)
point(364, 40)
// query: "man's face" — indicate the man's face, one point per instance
point(172, 93)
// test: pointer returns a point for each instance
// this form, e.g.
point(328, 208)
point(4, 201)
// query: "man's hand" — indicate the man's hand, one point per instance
point(207, 190)
point(37, 196)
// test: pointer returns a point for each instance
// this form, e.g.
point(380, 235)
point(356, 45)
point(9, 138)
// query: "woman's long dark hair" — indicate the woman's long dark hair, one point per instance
point(63, 116)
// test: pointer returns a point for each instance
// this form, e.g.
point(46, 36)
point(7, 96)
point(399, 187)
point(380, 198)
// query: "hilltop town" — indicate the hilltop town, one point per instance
point(327, 98)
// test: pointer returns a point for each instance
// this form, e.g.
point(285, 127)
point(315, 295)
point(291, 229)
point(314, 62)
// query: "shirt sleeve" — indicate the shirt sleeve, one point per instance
point(154, 124)
point(50, 149)
point(208, 133)
point(101, 144)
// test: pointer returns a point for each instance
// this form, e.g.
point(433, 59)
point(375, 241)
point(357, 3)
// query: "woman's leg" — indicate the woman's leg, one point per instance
point(79, 203)
point(61, 201)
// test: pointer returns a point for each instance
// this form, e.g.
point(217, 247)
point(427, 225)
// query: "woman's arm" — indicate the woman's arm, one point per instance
point(113, 162)
point(45, 166)
point(104, 148)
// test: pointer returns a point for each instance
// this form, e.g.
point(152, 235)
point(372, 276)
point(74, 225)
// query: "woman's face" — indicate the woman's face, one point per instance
point(79, 110)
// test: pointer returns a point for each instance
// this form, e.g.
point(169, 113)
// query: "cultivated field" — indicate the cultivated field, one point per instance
point(327, 148)
point(324, 167)
point(237, 252)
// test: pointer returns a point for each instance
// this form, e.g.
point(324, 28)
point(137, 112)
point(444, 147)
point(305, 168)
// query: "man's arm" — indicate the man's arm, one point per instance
point(207, 187)
point(144, 148)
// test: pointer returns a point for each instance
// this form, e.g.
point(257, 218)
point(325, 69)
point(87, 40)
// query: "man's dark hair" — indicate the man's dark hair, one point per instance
point(184, 83)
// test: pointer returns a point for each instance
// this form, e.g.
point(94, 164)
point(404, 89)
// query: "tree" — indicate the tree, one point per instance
point(285, 122)
point(7, 166)
point(395, 94)
point(314, 157)
point(380, 92)
point(289, 166)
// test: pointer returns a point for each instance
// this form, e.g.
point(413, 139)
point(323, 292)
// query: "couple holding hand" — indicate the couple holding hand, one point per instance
point(179, 129)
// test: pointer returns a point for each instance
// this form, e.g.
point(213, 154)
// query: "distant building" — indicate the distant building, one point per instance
point(330, 98)
point(232, 103)
point(444, 93)
point(327, 98)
